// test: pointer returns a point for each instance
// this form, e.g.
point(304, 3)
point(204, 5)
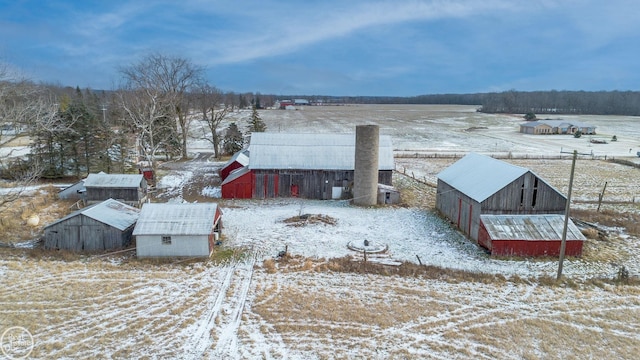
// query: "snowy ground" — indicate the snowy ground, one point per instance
point(118, 307)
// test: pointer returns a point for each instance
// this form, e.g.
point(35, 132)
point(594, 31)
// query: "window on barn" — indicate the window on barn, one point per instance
point(166, 240)
point(522, 196)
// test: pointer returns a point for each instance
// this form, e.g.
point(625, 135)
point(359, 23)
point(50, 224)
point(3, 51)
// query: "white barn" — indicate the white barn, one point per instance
point(168, 230)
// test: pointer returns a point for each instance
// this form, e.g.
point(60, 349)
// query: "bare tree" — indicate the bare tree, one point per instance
point(150, 119)
point(22, 105)
point(210, 100)
point(171, 78)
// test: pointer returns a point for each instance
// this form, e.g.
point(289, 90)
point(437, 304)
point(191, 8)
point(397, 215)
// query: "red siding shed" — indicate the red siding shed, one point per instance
point(528, 235)
point(238, 185)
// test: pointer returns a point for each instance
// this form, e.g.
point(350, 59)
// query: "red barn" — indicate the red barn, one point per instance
point(238, 184)
point(528, 235)
point(310, 166)
point(238, 160)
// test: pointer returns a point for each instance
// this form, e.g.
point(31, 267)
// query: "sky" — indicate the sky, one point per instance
point(333, 47)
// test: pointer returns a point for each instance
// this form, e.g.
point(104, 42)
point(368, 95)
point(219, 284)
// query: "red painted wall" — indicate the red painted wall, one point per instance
point(239, 188)
point(527, 247)
point(224, 172)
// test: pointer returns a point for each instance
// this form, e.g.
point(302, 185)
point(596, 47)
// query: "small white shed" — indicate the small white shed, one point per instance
point(168, 230)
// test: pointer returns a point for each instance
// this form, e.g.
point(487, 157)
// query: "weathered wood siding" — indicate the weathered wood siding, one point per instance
point(460, 209)
point(82, 233)
point(526, 195)
point(181, 245)
point(309, 184)
point(126, 195)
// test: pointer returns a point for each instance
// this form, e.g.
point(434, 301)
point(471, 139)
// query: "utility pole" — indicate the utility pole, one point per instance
point(563, 245)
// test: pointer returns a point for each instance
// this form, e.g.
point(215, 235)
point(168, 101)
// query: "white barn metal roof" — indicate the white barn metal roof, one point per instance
point(311, 151)
point(242, 157)
point(113, 180)
point(529, 227)
point(235, 174)
point(480, 176)
point(110, 212)
point(176, 219)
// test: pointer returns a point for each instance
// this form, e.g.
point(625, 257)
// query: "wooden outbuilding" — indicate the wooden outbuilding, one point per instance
point(478, 184)
point(103, 226)
point(312, 166)
point(177, 230)
point(528, 235)
point(130, 189)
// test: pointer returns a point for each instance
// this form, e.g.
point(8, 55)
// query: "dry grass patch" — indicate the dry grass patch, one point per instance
point(387, 316)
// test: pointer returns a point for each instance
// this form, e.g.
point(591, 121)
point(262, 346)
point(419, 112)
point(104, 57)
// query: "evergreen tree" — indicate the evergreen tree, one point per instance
point(256, 125)
point(233, 139)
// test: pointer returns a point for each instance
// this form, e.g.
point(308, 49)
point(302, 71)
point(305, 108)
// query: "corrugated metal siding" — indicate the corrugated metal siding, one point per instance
point(529, 227)
point(181, 245)
point(311, 151)
point(114, 180)
point(528, 235)
point(177, 219)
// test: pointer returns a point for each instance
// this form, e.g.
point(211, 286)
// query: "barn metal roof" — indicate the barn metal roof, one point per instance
point(311, 151)
point(235, 174)
point(557, 123)
point(113, 180)
point(110, 212)
point(529, 227)
point(242, 157)
point(480, 176)
point(176, 219)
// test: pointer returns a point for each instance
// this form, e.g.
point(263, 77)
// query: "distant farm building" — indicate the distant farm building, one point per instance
point(238, 160)
point(528, 235)
point(549, 127)
point(103, 226)
point(312, 166)
point(477, 185)
point(180, 230)
point(128, 188)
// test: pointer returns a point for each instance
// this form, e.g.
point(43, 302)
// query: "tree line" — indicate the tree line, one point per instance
point(73, 132)
point(515, 102)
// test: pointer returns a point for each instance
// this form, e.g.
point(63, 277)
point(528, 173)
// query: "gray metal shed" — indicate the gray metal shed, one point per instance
point(167, 230)
point(103, 226)
point(128, 188)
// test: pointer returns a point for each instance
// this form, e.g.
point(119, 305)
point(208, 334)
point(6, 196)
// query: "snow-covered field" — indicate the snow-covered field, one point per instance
point(118, 307)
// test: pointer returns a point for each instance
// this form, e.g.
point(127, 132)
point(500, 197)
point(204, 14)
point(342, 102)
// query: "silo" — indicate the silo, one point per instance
point(365, 183)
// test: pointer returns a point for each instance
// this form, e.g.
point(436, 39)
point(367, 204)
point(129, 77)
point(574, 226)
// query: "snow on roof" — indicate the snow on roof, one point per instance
point(311, 151)
point(557, 123)
point(529, 227)
point(480, 176)
point(242, 157)
point(176, 219)
point(110, 212)
point(236, 174)
point(113, 180)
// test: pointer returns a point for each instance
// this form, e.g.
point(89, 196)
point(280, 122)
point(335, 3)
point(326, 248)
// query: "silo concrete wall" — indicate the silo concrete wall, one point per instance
point(365, 184)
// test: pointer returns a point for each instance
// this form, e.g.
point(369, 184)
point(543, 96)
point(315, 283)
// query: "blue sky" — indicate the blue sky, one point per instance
point(334, 47)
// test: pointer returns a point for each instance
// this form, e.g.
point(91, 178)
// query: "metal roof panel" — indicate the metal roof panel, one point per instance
point(312, 151)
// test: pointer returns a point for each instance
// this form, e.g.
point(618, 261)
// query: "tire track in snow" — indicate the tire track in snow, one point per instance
point(226, 346)
point(201, 340)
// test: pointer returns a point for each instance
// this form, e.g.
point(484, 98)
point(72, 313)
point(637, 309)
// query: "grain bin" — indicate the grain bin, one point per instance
point(365, 185)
